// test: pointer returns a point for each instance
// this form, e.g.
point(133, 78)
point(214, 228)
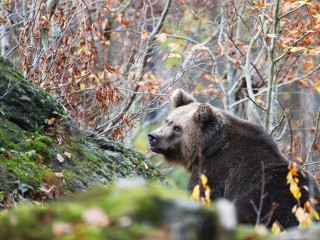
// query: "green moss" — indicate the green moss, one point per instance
point(133, 213)
point(24, 171)
point(27, 105)
point(73, 180)
point(10, 135)
point(41, 145)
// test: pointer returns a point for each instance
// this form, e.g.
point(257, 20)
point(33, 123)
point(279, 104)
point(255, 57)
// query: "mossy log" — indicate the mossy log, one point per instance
point(40, 159)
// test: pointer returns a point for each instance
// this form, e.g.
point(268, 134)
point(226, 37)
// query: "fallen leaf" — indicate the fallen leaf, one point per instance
point(60, 158)
point(59, 174)
point(47, 190)
point(96, 217)
point(51, 121)
point(67, 154)
point(60, 228)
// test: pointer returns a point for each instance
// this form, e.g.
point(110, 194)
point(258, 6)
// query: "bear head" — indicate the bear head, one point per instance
point(191, 130)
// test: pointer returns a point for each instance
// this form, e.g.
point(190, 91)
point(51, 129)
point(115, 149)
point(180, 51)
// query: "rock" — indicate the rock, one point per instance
point(57, 158)
point(298, 234)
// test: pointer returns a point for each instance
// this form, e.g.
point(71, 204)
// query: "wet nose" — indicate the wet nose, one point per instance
point(153, 137)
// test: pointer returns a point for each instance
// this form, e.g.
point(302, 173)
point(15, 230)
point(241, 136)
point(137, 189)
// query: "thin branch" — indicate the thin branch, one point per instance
point(290, 128)
point(254, 102)
point(262, 193)
point(292, 11)
point(302, 77)
point(161, 20)
point(278, 125)
point(314, 138)
point(184, 38)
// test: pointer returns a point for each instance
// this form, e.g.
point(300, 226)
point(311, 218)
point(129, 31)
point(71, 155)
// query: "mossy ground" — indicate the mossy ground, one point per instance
point(121, 212)
point(119, 220)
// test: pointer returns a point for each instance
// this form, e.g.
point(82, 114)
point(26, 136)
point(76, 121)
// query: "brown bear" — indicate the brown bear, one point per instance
point(240, 159)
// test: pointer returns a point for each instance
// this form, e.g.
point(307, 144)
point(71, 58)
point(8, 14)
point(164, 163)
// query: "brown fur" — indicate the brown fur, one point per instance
point(242, 161)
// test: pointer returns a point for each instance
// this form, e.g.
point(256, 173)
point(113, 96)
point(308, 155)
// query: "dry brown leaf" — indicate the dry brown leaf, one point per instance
point(59, 174)
point(67, 154)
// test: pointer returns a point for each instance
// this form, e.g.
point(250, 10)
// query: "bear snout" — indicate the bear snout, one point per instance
point(153, 137)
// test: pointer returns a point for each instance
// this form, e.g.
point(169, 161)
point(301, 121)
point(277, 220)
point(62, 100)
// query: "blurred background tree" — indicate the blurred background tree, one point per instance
point(113, 64)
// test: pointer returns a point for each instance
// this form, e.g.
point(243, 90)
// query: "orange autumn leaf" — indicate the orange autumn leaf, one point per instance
point(260, 4)
point(51, 121)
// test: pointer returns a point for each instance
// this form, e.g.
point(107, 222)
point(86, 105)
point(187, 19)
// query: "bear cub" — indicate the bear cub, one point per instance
point(240, 159)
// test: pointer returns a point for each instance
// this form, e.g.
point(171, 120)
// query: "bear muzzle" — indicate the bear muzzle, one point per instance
point(153, 138)
point(153, 142)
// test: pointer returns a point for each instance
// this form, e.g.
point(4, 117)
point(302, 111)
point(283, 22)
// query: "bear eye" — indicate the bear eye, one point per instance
point(166, 121)
point(176, 128)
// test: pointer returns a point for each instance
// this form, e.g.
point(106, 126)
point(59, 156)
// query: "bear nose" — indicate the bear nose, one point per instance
point(153, 137)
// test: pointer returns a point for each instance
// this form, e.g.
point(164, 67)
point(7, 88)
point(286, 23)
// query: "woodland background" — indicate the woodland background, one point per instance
point(113, 64)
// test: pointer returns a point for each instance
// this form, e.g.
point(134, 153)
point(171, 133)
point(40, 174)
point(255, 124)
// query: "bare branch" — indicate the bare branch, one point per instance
point(292, 11)
point(315, 138)
point(272, 87)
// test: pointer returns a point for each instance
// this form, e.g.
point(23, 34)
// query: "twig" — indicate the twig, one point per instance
point(314, 138)
point(291, 11)
point(278, 125)
point(262, 195)
point(255, 103)
point(290, 129)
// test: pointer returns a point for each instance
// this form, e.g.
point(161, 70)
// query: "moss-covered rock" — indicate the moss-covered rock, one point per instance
point(40, 160)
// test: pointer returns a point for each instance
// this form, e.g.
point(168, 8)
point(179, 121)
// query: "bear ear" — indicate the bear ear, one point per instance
point(204, 114)
point(180, 98)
